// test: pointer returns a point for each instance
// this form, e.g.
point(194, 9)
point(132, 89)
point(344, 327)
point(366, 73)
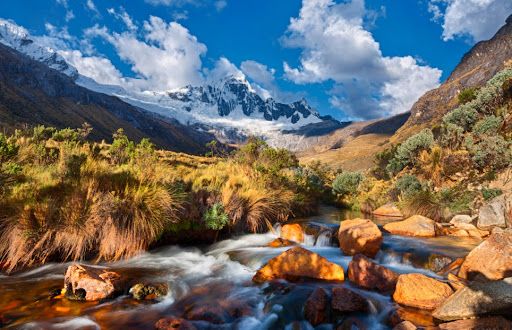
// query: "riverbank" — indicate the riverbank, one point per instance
point(217, 280)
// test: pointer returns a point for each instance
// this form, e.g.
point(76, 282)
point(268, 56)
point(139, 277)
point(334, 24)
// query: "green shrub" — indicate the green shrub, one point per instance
point(464, 116)
point(8, 148)
point(490, 193)
point(408, 185)
point(467, 95)
point(347, 183)
point(121, 149)
point(215, 217)
point(489, 125)
point(407, 151)
point(492, 152)
point(66, 134)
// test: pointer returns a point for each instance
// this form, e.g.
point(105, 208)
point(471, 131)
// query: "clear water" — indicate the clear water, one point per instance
point(218, 274)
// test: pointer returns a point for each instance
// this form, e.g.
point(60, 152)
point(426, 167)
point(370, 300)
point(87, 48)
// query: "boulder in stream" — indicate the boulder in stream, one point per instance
point(280, 242)
point(90, 283)
point(345, 301)
point(369, 275)
point(405, 325)
point(141, 291)
point(496, 213)
point(359, 236)
point(484, 323)
point(292, 232)
point(417, 226)
point(316, 308)
point(298, 262)
point(491, 260)
point(388, 210)
point(420, 291)
point(477, 299)
point(173, 323)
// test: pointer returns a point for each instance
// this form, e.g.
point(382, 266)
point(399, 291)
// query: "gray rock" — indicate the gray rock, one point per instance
point(461, 219)
point(495, 213)
point(477, 299)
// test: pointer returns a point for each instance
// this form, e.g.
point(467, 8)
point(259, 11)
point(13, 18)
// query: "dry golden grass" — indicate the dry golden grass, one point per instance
point(357, 153)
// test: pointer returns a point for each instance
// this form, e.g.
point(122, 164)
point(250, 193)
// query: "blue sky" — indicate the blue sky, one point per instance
point(350, 59)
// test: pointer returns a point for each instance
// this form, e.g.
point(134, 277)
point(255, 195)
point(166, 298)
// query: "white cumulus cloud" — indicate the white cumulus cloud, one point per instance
point(335, 46)
point(166, 56)
point(478, 19)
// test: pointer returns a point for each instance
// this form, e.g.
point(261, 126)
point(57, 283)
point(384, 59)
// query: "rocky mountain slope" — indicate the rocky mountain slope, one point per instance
point(231, 107)
point(31, 93)
point(476, 67)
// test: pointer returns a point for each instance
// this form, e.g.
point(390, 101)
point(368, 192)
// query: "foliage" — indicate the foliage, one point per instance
point(347, 183)
point(8, 148)
point(490, 193)
point(407, 151)
point(408, 185)
point(121, 149)
point(467, 95)
point(488, 125)
point(492, 153)
point(215, 217)
point(464, 116)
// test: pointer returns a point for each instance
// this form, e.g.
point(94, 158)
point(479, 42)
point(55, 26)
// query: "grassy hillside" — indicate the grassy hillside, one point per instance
point(451, 167)
point(64, 198)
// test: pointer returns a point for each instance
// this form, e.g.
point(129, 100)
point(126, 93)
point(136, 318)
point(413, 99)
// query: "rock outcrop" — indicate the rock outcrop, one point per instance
point(88, 283)
point(359, 236)
point(477, 299)
point(417, 226)
point(420, 291)
point(388, 210)
point(496, 213)
point(292, 232)
point(492, 259)
point(369, 275)
point(296, 263)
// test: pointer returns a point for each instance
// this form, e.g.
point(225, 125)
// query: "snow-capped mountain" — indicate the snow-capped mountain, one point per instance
point(230, 107)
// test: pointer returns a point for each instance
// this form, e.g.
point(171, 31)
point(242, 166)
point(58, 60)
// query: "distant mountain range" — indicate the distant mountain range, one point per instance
point(230, 108)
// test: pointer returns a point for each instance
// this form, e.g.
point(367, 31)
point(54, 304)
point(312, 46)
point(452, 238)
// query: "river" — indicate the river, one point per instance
point(220, 275)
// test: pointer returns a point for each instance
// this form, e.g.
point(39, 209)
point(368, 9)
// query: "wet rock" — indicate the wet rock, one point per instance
point(369, 275)
point(292, 232)
point(405, 325)
point(461, 219)
point(90, 284)
point(452, 267)
point(477, 299)
point(419, 317)
point(420, 291)
point(496, 213)
point(417, 225)
point(346, 301)
point(455, 282)
point(212, 313)
point(437, 262)
point(296, 263)
point(492, 259)
point(280, 242)
point(316, 308)
point(351, 323)
point(359, 236)
point(171, 323)
point(485, 323)
point(388, 210)
point(142, 291)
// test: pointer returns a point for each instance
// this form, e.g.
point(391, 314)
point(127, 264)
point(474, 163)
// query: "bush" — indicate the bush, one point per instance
point(215, 217)
point(121, 149)
point(346, 183)
point(490, 193)
point(492, 153)
point(8, 149)
point(489, 125)
point(464, 116)
point(408, 185)
point(408, 150)
point(467, 95)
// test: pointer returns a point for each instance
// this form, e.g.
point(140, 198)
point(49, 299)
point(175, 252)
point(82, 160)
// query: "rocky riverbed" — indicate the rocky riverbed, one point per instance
point(379, 273)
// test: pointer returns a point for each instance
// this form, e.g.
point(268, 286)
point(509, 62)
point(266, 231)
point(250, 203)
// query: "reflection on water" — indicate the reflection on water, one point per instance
point(218, 279)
